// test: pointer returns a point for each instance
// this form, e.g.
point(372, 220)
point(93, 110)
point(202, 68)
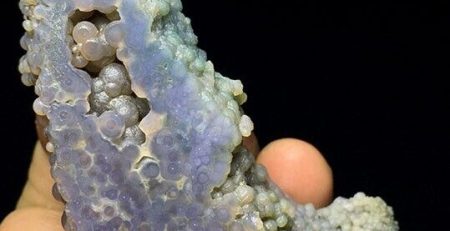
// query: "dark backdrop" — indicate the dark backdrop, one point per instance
point(365, 82)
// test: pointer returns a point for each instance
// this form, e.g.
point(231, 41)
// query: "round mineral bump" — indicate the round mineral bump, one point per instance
point(99, 101)
point(98, 85)
point(125, 107)
point(114, 224)
point(93, 50)
point(49, 147)
point(85, 160)
point(111, 193)
point(135, 134)
point(39, 108)
point(245, 194)
point(108, 211)
point(114, 73)
point(113, 89)
point(83, 31)
point(67, 222)
point(144, 227)
point(270, 225)
point(28, 79)
point(56, 194)
point(282, 221)
point(203, 177)
point(150, 170)
point(79, 61)
point(111, 124)
point(114, 34)
point(173, 169)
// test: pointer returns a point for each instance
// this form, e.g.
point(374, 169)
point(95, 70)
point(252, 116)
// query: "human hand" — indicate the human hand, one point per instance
point(295, 166)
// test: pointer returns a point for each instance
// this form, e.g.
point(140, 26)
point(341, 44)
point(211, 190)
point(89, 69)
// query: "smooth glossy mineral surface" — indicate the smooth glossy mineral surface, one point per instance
point(145, 135)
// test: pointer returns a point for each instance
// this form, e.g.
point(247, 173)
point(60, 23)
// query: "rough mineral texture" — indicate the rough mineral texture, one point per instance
point(145, 135)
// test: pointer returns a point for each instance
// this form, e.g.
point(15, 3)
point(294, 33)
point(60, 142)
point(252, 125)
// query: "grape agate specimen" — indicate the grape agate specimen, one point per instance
point(145, 135)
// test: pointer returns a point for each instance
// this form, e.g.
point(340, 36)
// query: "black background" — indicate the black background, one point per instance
point(365, 82)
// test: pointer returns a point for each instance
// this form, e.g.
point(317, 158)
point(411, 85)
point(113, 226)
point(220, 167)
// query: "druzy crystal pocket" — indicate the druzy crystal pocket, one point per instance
point(146, 135)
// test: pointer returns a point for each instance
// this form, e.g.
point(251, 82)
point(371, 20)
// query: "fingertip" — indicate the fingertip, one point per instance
point(300, 170)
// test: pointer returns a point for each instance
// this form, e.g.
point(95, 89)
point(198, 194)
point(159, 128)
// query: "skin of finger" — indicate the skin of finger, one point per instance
point(299, 170)
point(38, 188)
point(251, 143)
point(32, 219)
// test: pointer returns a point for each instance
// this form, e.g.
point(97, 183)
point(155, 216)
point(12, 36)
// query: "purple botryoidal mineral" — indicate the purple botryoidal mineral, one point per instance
point(145, 135)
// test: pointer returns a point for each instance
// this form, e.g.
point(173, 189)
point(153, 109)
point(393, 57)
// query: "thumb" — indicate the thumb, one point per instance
point(36, 209)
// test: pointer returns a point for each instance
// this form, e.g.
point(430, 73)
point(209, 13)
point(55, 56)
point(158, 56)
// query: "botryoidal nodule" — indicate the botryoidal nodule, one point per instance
point(146, 135)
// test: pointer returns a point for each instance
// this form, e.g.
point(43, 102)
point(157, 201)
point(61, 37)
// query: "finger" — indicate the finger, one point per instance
point(251, 143)
point(299, 170)
point(32, 219)
point(38, 188)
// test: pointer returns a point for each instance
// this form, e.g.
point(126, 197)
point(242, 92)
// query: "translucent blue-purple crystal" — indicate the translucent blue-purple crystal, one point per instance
point(145, 135)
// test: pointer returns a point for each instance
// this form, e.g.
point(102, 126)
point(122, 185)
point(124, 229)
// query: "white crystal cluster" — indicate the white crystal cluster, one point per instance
point(359, 213)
